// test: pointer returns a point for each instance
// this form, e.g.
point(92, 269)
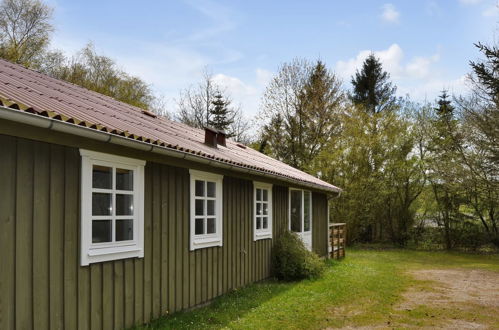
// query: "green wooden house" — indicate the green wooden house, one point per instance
point(111, 216)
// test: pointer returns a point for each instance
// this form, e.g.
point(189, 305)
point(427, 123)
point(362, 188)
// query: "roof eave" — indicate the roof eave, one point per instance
point(69, 128)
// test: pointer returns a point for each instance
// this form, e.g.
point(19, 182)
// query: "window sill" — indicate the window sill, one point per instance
point(200, 243)
point(112, 250)
point(262, 235)
point(108, 254)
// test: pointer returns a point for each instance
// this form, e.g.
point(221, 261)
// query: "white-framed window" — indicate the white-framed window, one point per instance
point(300, 211)
point(206, 210)
point(112, 207)
point(262, 224)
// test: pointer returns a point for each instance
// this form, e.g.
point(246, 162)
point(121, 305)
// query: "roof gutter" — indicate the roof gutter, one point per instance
point(63, 127)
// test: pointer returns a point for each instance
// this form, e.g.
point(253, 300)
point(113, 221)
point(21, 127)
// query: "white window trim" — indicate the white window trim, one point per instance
point(91, 253)
point(302, 209)
point(262, 233)
point(207, 240)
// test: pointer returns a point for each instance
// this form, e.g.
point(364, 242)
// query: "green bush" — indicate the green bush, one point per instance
point(292, 261)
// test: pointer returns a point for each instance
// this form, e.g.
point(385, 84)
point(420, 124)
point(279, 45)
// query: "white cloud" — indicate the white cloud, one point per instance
point(419, 67)
point(235, 86)
point(416, 76)
point(263, 77)
point(390, 58)
point(245, 94)
point(390, 14)
point(428, 90)
point(175, 62)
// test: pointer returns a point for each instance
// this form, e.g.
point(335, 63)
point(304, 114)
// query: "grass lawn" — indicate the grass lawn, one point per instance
point(368, 288)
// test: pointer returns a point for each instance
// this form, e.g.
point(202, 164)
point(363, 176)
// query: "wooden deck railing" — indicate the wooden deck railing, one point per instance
point(337, 240)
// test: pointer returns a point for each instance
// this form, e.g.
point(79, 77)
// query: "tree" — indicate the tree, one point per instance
point(300, 108)
point(484, 109)
point(99, 73)
point(445, 171)
point(282, 99)
point(322, 99)
point(24, 30)
point(221, 116)
point(480, 154)
point(371, 86)
point(195, 102)
point(197, 107)
point(377, 201)
point(241, 127)
point(445, 109)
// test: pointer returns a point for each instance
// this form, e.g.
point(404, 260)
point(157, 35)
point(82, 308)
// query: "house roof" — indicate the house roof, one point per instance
point(26, 90)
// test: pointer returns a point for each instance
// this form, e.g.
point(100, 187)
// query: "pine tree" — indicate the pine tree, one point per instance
point(371, 86)
point(221, 115)
point(486, 73)
point(445, 166)
point(444, 125)
point(445, 108)
point(484, 114)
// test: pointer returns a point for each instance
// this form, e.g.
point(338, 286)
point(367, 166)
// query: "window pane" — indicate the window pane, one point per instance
point(101, 204)
point(295, 210)
point(211, 189)
point(102, 177)
point(258, 208)
point(259, 194)
point(265, 223)
point(101, 231)
point(265, 195)
point(258, 223)
point(124, 230)
point(199, 204)
point(265, 208)
point(199, 227)
point(306, 210)
point(124, 204)
point(211, 226)
point(124, 179)
point(199, 188)
point(211, 207)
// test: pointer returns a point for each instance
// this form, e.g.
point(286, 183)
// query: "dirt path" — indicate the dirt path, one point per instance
point(459, 294)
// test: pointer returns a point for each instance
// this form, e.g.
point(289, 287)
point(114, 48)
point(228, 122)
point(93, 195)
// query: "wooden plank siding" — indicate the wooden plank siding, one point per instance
point(320, 224)
point(43, 286)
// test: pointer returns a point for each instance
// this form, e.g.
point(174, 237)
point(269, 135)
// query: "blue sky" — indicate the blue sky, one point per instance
point(425, 45)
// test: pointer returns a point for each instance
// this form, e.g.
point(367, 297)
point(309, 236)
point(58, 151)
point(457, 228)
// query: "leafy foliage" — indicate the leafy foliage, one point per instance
point(24, 31)
point(101, 74)
point(373, 160)
point(292, 261)
point(299, 108)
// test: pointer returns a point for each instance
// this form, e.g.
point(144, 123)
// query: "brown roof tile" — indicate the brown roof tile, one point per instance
point(40, 94)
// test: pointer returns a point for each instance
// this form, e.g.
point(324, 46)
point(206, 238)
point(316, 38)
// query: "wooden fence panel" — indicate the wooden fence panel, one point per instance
point(337, 236)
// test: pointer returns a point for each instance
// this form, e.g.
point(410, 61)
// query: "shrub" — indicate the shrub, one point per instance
point(292, 261)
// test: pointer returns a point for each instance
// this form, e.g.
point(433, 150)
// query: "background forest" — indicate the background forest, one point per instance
point(412, 174)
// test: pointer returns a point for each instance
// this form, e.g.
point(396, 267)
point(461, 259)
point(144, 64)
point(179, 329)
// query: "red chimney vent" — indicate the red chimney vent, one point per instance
point(221, 138)
point(210, 137)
